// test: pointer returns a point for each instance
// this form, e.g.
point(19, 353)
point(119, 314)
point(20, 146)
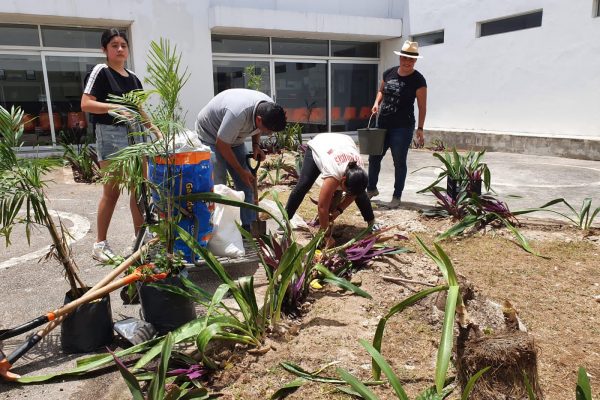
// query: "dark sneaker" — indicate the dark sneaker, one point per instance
point(395, 203)
point(372, 193)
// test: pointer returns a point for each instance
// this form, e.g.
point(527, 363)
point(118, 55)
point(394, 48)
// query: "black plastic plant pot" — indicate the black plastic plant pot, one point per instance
point(165, 310)
point(453, 187)
point(89, 327)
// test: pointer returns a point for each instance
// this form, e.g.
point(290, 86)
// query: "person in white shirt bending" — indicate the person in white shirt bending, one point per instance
point(335, 157)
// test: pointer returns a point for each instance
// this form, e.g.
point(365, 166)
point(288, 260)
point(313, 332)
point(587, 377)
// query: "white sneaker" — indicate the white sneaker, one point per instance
point(377, 226)
point(102, 252)
point(147, 237)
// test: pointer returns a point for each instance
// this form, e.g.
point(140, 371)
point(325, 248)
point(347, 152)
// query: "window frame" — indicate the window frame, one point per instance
point(414, 37)
point(480, 24)
point(43, 52)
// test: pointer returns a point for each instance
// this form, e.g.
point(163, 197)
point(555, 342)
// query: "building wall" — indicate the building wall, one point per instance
point(183, 22)
point(541, 81)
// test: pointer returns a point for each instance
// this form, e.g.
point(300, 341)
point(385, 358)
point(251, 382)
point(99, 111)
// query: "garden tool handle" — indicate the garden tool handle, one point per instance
point(254, 169)
point(41, 320)
point(62, 312)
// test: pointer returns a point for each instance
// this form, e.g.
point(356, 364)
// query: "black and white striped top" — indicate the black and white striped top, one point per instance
point(102, 81)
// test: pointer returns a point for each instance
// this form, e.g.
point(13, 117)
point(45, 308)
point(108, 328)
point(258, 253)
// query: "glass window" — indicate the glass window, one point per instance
point(240, 44)
point(509, 24)
point(354, 49)
point(353, 91)
point(427, 39)
point(301, 89)
point(79, 38)
point(66, 77)
point(22, 85)
point(300, 47)
point(241, 74)
point(19, 35)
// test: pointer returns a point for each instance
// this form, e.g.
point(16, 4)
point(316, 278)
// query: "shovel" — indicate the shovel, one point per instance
point(258, 227)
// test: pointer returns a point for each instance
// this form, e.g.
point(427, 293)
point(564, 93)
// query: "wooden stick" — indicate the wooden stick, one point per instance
point(401, 280)
point(124, 265)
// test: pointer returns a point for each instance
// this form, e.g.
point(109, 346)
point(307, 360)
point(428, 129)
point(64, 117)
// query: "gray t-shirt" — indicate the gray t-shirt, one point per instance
point(230, 116)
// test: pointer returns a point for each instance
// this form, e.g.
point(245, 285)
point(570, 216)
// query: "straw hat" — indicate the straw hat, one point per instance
point(409, 49)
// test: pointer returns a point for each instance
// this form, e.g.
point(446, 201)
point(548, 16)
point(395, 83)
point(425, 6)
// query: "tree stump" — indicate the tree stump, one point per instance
point(511, 355)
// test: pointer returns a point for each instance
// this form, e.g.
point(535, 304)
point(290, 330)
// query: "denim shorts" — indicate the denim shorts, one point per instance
point(112, 138)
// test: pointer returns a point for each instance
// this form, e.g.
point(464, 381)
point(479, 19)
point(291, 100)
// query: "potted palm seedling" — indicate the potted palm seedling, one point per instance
point(171, 174)
point(23, 201)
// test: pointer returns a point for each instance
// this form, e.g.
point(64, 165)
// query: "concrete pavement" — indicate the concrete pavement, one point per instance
point(29, 288)
point(521, 180)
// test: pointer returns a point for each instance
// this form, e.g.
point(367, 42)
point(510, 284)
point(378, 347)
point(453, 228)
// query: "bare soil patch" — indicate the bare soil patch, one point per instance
point(554, 297)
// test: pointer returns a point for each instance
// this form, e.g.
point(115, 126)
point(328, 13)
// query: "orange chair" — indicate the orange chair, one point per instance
point(28, 122)
point(365, 113)
point(336, 113)
point(299, 114)
point(349, 113)
point(317, 115)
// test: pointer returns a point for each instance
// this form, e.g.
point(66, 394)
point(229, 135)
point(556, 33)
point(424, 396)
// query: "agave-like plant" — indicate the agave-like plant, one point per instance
point(162, 384)
point(463, 169)
point(291, 267)
point(582, 218)
point(23, 196)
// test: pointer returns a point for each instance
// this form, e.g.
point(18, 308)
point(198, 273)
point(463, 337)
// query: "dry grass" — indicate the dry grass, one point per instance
point(554, 297)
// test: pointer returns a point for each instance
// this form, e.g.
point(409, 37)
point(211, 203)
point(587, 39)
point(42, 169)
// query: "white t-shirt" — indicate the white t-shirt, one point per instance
point(332, 152)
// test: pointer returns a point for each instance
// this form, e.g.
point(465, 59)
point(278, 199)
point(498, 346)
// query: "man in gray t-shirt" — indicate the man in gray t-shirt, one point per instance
point(225, 123)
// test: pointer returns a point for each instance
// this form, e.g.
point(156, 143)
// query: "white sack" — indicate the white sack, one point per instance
point(226, 239)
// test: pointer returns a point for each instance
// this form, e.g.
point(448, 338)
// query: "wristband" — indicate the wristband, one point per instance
point(420, 128)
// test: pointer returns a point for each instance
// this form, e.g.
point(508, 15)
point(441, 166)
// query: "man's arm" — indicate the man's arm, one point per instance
point(257, 152)
point(224, 149)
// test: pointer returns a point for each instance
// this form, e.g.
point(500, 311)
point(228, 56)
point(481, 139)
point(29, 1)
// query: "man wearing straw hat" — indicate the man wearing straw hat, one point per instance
point(394, 102)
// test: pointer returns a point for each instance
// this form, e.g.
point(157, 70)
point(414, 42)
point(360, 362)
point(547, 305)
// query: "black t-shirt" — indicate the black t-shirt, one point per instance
point(102, 81)
point(399, 92)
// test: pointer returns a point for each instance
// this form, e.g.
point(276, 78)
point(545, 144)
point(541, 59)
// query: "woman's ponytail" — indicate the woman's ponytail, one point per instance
point(356, 178)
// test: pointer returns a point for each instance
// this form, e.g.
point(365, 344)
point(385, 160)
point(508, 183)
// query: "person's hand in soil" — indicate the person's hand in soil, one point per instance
point(328, 242)
point(333, 215)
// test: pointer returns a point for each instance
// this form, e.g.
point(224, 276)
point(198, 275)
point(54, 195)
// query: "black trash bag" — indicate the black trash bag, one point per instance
point(88, 327)
point(166, 311)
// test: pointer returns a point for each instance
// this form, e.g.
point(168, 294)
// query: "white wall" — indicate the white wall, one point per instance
point(540, 81)
point(183, 22)
point(375, 8)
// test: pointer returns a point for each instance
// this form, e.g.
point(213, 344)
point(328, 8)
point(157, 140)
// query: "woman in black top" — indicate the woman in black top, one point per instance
point(395, 105)
point(111, 135)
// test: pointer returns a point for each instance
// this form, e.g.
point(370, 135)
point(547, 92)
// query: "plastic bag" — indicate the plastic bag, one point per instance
point(226, 239)
point(135, 330)
point(186, 141)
